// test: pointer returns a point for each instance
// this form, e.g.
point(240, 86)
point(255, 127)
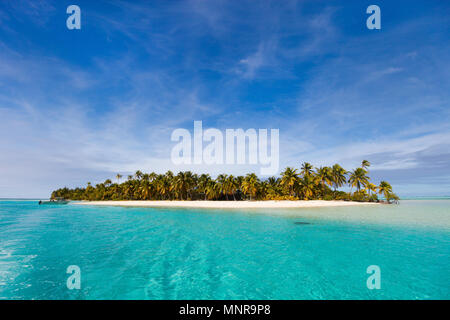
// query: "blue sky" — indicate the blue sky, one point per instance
point(83, 105)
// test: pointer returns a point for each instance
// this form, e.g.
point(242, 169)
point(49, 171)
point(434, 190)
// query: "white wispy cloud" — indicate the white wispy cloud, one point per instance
point(351, 97)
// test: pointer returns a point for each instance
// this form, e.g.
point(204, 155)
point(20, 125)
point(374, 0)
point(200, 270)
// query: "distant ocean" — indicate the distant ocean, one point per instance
point(145, 253)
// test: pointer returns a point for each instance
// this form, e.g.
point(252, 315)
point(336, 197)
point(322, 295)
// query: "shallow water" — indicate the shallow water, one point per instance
point(145, 253)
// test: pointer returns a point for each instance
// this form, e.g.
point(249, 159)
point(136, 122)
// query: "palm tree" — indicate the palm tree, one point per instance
point(145, 190)
point(307, 186)
point(118, 176)
point(358, 178)
point(192, 183)
point(272, 181)
point(88, 191)
point(239, 180)
point(325, 177)
point(232, 186)
point(163, 186)
point(250, 185)
point(385, 188)
point(222, 184)
point(365, 164)
point(212, 190)
point(272, 188)
point(128, 190)
point(338, 176)
point(307, 169)
point(168, 184)
point(138, 174)
point(370, 187)
point(203, 182)
point(288, 179)
point(393, 196)
point(183, 183)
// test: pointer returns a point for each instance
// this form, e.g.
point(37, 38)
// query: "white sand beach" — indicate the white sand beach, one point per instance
point(229, 204)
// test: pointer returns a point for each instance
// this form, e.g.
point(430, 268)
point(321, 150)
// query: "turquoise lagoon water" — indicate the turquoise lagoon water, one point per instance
point(144, 253)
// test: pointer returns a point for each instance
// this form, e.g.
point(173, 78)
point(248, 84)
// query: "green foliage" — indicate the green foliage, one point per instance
point(304, 184)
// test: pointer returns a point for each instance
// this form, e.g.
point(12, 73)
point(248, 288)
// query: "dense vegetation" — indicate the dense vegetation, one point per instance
point(306, 184)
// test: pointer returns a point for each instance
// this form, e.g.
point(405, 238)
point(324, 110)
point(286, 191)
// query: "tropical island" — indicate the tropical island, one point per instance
point(308, 183)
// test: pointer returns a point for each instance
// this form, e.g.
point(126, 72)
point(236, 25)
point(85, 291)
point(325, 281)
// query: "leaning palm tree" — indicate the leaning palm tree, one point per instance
point(288, 179)
point(385, 188)
point(358, 178)
point(370, 187)
point(393, 196)
point(365, 164)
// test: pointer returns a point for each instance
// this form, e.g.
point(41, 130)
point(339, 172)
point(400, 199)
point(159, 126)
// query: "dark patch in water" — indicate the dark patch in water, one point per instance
point(301, 223)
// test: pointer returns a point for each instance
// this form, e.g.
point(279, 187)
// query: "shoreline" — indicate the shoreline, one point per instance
point(266, 204)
